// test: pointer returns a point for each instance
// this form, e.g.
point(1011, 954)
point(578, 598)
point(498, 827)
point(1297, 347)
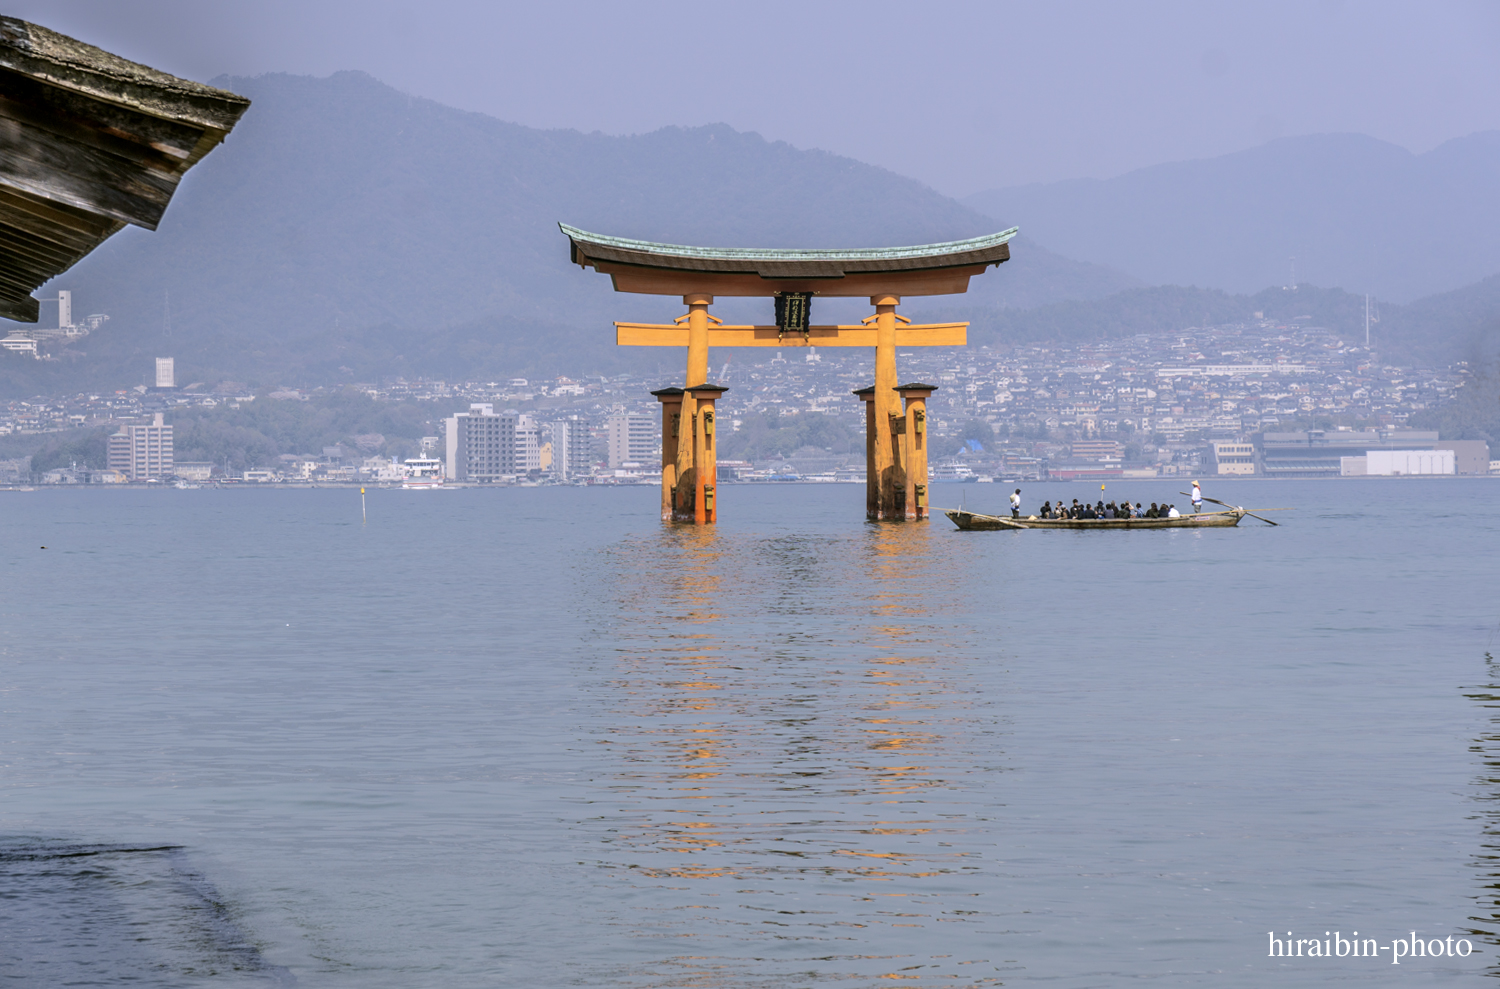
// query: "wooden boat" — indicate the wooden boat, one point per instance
point(1201, 520)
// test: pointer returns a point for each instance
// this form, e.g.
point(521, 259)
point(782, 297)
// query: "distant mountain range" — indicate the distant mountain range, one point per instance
point(1355, 212)
point(348, 232)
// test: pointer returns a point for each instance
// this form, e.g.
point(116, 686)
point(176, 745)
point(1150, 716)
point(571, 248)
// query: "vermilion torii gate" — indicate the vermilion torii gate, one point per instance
point(895, 417)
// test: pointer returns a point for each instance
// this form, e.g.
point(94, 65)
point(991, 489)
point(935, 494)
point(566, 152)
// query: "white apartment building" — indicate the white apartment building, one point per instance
point(166, 372)
point(141, 452)
point(572, 448)
point(633, 439)
point(528, 444)
point(484, 445)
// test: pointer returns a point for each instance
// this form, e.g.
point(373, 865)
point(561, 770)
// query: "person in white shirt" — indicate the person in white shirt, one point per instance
point(1173, 513)
point(1197, 498)
point(1015, 504)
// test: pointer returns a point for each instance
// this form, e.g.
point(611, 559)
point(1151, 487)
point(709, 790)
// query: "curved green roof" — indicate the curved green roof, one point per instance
point(938, 251)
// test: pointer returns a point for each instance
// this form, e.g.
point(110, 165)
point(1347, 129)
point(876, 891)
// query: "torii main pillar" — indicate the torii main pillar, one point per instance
point(896, 435)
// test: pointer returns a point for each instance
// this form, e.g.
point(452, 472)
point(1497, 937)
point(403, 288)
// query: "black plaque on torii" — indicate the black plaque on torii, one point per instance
point(793, 312)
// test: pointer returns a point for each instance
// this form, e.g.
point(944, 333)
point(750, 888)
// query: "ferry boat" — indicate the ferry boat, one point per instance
point(954, 472)
point(423, 474)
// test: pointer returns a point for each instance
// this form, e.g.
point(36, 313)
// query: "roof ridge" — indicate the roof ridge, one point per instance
point(793, 254)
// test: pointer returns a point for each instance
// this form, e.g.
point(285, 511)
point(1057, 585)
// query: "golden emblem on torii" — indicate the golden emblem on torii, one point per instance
point(895, 415)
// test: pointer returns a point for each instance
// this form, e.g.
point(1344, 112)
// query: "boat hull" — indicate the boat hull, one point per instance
point(1202, 520)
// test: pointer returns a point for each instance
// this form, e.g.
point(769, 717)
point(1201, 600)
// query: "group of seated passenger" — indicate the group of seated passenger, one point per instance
point(1123, 510)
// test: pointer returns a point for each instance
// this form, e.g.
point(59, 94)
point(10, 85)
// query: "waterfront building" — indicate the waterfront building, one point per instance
point(194, 470)
point(481, 444)
point(1320, 453)
point(1469, 456)
point(142, 452)
point(528, 445)
point(1233, 457)
point(572, 448)
point(632, 440)
point(1103, 450)
point(1401, 463)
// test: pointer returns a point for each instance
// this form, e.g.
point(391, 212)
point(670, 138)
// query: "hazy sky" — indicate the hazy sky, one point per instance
point(964, 96)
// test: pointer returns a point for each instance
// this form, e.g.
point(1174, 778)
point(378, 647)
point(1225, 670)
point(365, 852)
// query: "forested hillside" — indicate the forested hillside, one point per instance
point(348, 232)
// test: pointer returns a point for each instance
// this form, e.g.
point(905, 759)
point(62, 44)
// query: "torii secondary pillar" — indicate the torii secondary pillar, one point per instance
point(914, 397)
point(906, 443)
point(689, 453)
point(671, 419)
point(872, 481)
point(705, 457)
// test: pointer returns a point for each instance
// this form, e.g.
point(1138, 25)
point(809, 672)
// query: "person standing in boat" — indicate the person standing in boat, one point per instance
point(1197, 498)
point(1015, 504)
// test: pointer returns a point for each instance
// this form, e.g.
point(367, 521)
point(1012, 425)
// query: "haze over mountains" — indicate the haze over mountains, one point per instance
point(347, 225)
point(348, 232)
point(1356, 213)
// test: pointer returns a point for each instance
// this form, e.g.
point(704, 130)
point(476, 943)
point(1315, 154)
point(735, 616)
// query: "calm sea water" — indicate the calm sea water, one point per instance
point(531, 737)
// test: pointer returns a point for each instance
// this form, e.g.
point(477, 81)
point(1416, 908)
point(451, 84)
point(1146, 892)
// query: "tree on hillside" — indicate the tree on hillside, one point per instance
point(977, 430)
point(1473, 415)
point(90, 449)
point(772, 434)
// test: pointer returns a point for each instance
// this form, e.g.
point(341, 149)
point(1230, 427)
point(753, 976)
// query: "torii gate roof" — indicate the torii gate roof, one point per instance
point(674, 269)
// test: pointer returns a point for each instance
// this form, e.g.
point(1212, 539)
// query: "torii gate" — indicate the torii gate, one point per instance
point(895, 415)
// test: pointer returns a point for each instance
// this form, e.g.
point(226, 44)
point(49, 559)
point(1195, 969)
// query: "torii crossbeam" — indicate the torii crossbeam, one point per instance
point(895, 441)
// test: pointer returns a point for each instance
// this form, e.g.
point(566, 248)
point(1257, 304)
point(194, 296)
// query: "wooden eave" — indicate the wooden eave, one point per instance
point(89, 142)
point(674, 269)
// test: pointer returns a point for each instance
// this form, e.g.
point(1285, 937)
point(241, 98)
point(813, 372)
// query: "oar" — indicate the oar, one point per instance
point(1235, 508)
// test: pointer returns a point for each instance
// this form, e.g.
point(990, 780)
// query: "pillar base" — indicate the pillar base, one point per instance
point(689, 442)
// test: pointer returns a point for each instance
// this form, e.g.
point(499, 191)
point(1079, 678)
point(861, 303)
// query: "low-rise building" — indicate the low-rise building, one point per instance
point(1402, 463)
point(1469, 456)
point(1233, 457)
point(1320, 453)
point(1097, 450)
point(192, 470)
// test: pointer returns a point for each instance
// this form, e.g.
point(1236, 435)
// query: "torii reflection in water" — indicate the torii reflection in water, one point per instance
point(788, 734)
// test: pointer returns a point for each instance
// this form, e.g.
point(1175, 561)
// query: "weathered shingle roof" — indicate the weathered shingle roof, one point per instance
point(89, 142)
point(779, 263)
